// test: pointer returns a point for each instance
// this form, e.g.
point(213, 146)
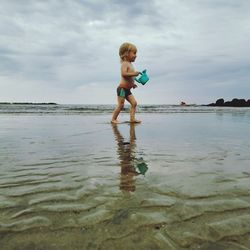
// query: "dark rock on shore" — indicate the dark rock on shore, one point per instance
point(234, 103)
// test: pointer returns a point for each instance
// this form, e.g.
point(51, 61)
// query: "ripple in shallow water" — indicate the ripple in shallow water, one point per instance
point(93, 197)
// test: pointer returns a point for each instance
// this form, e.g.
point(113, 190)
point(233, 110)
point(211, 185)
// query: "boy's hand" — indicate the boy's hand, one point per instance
point(137, 73)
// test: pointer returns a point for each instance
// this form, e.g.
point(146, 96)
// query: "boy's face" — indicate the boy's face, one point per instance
point(132, 55)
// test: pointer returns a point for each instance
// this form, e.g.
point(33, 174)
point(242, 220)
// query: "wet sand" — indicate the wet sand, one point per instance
point(176, 181)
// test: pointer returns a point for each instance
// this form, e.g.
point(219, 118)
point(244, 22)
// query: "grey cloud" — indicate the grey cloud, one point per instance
point(215, 4)
point(70, 44)
point(9, 66)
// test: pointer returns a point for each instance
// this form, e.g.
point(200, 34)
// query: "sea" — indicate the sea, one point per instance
point(69, 179)
point(81, 109)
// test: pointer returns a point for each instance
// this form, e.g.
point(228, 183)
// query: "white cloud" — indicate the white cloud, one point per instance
point(55, 50)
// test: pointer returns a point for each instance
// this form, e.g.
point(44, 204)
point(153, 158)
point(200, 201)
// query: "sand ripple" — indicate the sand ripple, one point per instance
point(161, 214)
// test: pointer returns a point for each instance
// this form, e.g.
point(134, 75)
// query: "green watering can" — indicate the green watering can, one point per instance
point(143, 78)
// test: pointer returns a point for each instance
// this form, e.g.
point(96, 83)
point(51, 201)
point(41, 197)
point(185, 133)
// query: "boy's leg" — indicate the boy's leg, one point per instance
point(118, 109)
point(133, 103)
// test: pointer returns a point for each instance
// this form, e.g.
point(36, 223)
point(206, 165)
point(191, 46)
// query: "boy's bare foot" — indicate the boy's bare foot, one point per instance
point(135, 121)
point(114, 122)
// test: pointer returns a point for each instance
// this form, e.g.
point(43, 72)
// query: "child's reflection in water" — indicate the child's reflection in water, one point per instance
point(126, 152)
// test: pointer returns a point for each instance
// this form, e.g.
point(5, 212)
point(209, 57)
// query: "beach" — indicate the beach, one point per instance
point(71, 180)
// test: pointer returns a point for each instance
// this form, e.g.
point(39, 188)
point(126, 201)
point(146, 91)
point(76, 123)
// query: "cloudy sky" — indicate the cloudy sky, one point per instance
point(66, 51)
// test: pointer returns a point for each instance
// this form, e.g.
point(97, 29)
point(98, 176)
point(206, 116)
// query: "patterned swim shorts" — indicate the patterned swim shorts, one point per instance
point(122, 92)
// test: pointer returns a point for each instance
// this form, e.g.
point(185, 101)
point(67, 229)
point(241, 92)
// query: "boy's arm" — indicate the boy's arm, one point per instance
point(126, 71)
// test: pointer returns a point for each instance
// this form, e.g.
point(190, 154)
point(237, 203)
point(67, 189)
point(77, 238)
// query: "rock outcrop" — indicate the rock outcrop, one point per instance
point(234, 103)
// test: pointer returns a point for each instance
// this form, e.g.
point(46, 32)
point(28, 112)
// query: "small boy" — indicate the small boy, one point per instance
point(127, 54)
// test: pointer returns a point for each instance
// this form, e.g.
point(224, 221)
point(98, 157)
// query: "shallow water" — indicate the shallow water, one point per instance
point(176, 181)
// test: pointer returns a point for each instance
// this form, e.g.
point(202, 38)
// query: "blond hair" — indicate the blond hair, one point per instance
point(124, 50)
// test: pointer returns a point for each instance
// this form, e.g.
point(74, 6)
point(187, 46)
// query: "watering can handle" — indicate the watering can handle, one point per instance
point(137, 79)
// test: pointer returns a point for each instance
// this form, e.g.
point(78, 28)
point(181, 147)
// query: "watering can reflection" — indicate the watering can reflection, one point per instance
point(142, 168)
point(143, 78)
